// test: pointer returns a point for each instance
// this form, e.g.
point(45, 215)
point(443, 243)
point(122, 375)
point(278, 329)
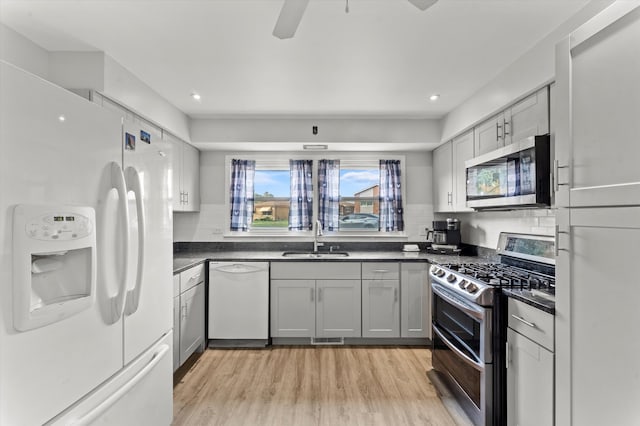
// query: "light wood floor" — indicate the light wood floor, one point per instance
point(294, 385)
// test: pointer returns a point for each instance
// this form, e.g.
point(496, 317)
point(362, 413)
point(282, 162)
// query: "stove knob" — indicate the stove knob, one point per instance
point(472, 288)
point(463, 284)
point(452, 278)
point(440, 273)
point(434, 270)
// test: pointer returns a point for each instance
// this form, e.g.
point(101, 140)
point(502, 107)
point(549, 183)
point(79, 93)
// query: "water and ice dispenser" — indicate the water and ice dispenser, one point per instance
point(54, 267)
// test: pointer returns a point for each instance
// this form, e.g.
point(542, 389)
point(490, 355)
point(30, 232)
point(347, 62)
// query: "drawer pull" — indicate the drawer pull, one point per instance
point(380, 271)
point(524, 321)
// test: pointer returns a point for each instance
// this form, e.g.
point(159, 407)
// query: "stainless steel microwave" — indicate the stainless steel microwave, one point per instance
point(515, 176)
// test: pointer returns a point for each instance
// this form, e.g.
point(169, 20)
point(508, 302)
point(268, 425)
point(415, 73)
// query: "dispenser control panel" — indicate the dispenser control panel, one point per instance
point(58, 226)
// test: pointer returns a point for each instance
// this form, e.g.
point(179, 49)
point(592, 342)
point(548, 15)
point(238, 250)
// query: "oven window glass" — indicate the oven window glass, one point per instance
point(459, 328)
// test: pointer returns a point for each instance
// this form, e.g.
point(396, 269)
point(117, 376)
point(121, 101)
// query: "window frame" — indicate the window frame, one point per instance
point(274, 161)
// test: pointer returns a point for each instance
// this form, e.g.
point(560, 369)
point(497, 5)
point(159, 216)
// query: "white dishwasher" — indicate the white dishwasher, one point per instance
point(238, 304)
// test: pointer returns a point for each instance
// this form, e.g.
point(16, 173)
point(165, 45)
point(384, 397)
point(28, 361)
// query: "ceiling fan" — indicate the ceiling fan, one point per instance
point(292, 11)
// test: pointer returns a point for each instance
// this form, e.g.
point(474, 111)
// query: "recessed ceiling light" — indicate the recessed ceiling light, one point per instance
point(196, 96)
point(434, 97)
point(61, 118)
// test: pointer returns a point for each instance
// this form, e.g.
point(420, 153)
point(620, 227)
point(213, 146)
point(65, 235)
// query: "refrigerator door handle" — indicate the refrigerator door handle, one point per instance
point(101, 408)
point(118, 182)
point(132, 178)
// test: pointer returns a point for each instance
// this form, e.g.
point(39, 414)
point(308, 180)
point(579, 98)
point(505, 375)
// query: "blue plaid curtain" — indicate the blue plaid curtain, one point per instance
point(242, 174)
point(329, 194)
point(301, 204)
point(391, 213)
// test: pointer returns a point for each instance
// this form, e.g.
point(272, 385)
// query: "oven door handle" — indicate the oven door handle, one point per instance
point(479, 313)
point(476, 365)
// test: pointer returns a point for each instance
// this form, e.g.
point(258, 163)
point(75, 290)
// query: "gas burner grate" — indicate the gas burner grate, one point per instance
point(506, 276)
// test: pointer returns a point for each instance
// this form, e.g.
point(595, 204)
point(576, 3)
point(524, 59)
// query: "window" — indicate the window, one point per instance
point(359, 198)
point(350, 198)
point(271, 198)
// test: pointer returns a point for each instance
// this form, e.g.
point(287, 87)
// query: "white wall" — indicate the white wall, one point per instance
point(483, 228)
point(22, 52)
point(532, 70)
point(293, 132)
point(209, 223)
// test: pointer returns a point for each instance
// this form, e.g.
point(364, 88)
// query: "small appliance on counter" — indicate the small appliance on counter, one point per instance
point(444, 237)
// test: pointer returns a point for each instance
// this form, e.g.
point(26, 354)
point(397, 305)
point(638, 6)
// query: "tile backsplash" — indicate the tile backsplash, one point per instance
point(483, 228)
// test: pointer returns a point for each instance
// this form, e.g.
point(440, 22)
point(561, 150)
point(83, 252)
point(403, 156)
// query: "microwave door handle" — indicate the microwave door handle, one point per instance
point(474, 364)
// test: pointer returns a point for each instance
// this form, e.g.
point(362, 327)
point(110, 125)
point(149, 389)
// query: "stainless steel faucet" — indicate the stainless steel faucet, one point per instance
point(316, 234)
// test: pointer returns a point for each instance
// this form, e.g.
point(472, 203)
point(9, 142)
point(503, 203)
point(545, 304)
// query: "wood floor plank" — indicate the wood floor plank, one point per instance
point(315, 386)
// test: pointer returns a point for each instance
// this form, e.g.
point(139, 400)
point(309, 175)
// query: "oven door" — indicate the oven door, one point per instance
point(462, 351)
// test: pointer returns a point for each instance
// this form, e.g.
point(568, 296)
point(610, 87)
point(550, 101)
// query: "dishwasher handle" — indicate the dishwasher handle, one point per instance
point(238, 268)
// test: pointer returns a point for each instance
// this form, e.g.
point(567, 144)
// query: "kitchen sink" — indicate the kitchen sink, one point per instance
point(315, 255)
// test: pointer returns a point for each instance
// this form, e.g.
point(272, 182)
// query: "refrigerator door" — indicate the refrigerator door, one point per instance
point(149, 307)
point(57, 149)
point(139, 394)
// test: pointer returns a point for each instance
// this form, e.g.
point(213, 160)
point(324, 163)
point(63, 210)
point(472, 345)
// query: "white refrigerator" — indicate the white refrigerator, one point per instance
point(85, 290)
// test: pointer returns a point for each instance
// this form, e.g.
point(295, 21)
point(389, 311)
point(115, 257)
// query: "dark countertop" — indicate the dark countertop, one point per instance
point(534, 300)
point(183, 261)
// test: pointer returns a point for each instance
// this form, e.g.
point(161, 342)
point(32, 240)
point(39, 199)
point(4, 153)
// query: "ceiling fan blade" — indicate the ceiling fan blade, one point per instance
point(423, 4)
point(290, 16)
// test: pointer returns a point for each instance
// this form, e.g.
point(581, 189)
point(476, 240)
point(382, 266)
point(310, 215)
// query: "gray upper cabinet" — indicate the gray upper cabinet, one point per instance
point(489, 135)
point(462, 150)
point(528, 117)
point(449, 174)
point(186, 175)
point(597, 147)
point(443, 178)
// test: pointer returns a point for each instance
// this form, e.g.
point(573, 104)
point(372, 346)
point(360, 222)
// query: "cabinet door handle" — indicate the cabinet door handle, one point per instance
point(313, 293)
point(395, 295)
point(556, 180)
point(507, 356)
point(557, 241)
point(380, 271)
point(320, 295)
point(524, 321)
point(450, 198)
point(505, 123)
point(498, 136)
point(186, 194)
point(183, 308)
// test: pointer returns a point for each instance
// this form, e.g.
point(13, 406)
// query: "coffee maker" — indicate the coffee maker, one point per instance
point(445, 236)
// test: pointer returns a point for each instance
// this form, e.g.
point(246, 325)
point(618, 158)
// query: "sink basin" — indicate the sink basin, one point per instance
point(315, 255)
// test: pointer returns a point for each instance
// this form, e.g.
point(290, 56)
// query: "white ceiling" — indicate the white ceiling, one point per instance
point(382, 59)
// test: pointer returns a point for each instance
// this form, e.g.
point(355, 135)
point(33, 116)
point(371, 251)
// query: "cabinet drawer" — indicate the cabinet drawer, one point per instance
point(381, 270)
point(316, 270)
point(176, 285)
point(191, 277)
point(540, 327)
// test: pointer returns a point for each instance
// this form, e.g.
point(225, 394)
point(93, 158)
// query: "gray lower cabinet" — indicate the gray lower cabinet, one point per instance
point(191, 321)
point(415, 319)
point(176, 332)
point(380, 308)
point(380, 299)
point(293, 308)
point(188, 314)
point(530, 366)
point(315, 299)
point(338, 308)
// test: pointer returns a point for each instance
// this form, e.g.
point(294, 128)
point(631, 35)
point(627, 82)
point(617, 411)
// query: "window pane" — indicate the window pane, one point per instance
point(359, 205)
point(272, 193)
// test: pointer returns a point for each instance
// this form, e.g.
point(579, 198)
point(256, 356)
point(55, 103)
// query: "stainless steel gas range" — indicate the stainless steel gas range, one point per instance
point(469, 321)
